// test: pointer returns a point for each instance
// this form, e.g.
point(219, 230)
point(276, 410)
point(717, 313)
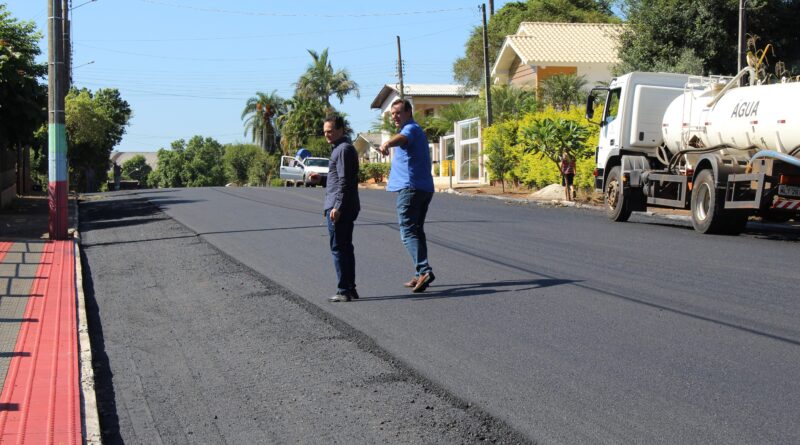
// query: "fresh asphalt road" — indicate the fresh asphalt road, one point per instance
point(569, 327)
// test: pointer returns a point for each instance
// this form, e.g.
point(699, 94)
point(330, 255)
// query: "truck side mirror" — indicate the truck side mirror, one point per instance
point(590, 109)
point(590, 106)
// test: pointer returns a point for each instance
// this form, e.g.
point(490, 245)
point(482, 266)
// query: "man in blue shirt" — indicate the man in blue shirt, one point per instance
point(342, 206)
point(411, 177)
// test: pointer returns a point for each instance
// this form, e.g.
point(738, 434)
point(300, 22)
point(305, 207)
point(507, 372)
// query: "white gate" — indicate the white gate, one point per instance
point(468, 151)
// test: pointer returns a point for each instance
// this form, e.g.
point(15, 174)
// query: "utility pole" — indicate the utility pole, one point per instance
point(400, 69)
point(742, 34)
point(487, 75)
point(67, 46)
point(57, 147)
point(491, 8)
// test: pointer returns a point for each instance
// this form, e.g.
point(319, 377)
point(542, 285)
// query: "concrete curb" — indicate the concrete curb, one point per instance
point(537, 202)
point(90, 417)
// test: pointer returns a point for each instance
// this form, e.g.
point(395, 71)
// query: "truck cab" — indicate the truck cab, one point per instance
point(634, 105)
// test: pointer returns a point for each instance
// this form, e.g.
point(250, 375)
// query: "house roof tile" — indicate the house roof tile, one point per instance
point(424, 89)
point(566, 42)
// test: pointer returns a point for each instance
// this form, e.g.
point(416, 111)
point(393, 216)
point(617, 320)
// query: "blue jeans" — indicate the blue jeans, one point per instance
point(344, 259)
point(412, 207)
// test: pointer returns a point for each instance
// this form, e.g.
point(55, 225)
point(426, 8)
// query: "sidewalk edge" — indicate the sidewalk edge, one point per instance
point(89, 414)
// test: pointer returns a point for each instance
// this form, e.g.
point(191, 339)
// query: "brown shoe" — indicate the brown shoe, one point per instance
point(423, 282)
point(412, 283)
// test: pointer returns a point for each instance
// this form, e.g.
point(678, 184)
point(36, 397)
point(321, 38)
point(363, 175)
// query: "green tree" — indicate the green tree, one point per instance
point(302, 121)
point(498, 143)
point(550, 137)
point(23, 98)
point(262, 169)
point(701, 36)
point(197, 163)
point(260, 114)
point(168, 172)
point(321, 81)
point(136, 168)
point(203, 166)
point(562, 91)
point(95, 124)
point(509, 102)
point(238, 159)
point(469, 69)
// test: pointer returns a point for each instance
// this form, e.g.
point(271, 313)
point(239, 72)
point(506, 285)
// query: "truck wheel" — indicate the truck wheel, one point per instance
point(708, 208)
point(616, 207)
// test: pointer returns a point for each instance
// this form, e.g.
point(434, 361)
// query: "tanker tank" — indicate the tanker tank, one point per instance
point(761, 117)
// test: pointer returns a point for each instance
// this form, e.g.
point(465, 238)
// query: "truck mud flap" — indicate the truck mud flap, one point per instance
point(744, 191)
point(667, 190)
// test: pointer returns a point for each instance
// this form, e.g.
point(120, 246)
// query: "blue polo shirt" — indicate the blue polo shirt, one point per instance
point(411, 163)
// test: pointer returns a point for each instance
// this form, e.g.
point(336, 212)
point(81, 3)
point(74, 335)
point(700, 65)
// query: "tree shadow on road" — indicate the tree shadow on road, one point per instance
point(435, 292)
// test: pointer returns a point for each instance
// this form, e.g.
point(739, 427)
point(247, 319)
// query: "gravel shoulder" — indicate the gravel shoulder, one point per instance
point(189, 346)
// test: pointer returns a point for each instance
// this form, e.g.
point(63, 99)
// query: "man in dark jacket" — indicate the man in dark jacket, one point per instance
point(341, 207)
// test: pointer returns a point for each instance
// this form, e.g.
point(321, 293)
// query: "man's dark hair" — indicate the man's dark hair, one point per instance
point(406, 104)
point(337, 121)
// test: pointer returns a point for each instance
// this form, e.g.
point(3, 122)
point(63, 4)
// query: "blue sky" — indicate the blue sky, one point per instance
point(188, 66)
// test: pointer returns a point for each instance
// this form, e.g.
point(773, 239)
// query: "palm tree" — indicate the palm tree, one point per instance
point(321, 81)
point(509, 102)
point(259, 115)
point(564, 90)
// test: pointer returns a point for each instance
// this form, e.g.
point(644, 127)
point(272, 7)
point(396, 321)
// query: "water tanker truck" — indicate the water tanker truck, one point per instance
point(724, 152)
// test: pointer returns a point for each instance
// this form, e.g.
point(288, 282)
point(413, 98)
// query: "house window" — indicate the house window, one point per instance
point(428, 112)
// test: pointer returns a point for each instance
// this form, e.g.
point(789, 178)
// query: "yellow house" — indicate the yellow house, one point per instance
point(540, 50)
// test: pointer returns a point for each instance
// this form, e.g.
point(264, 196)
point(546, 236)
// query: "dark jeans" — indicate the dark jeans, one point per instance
point(344, 259)
point(412, 207)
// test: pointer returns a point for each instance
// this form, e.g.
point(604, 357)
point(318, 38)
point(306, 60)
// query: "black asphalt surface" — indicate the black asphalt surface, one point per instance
point(190, 346)
point(557, 322)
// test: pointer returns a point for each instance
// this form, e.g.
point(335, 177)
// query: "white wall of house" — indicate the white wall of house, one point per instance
point(594, 72)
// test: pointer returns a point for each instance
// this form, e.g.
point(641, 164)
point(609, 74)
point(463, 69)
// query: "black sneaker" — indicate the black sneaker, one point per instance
point(423, 282)
point(353, 294)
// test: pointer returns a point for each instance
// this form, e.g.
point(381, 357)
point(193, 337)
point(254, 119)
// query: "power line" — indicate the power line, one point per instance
point(253, 37)
point(297, 14)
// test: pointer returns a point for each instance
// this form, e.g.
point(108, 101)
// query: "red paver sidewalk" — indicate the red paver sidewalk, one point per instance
point(40, 401)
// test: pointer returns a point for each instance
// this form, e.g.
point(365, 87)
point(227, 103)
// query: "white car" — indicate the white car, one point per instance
point(310, 171)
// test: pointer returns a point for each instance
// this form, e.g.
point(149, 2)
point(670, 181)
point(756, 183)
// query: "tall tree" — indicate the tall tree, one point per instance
point(170, 166)
point(469, 70)
point(95, 123)
point(203, 165)
point(302, 121)
point(238, 159)
point(136, 168)
point(321, 81)
point(260, 114)
point(23, 97)
point(700, 36)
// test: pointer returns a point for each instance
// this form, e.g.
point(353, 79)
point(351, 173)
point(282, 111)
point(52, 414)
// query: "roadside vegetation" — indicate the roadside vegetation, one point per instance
point(529, 131)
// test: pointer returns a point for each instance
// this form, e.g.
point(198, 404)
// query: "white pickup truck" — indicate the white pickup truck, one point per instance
point(309, 171)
